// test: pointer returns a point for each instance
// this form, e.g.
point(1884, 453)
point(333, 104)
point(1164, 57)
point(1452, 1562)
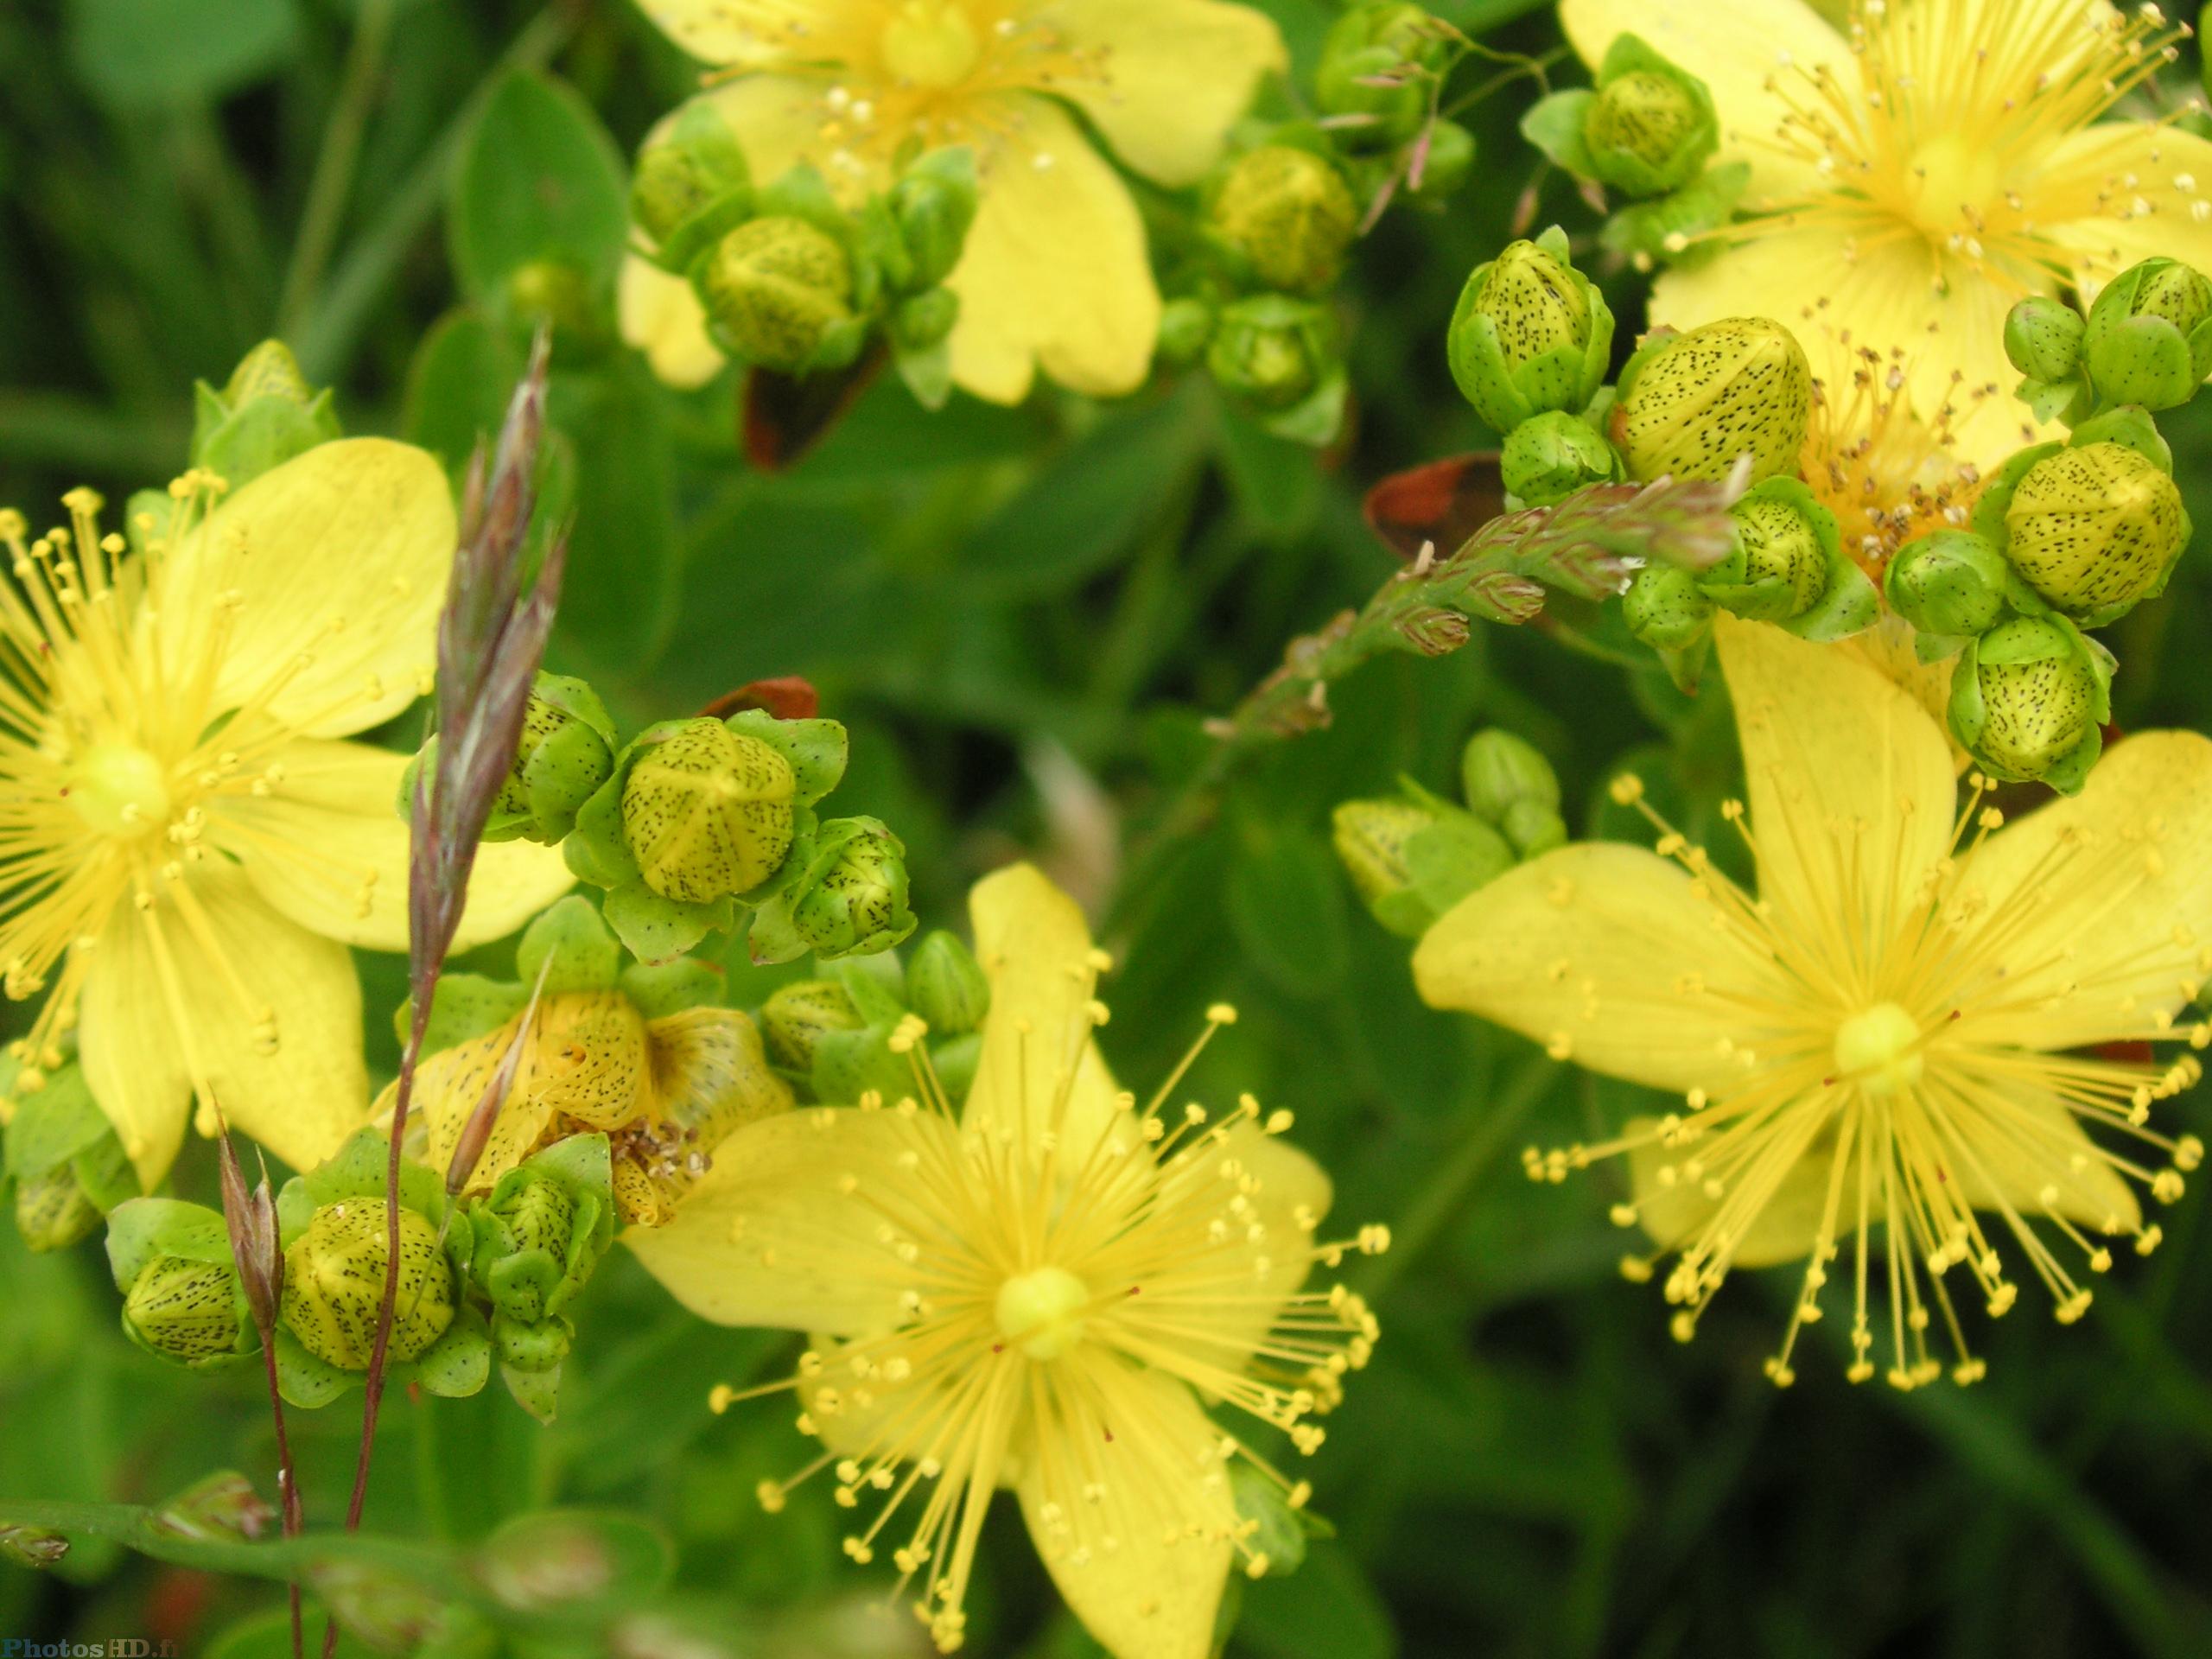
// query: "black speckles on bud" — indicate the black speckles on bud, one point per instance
point(566, 752)
point(691, 184)
point(2149, 337)
point(187, 1311)
point(333, 1284)
point(1649, 132)
point(1285, 214)
point(851, 898)
point(779, 293)
point(1529, 335)
point(1951, 582)
point(2043, 337)
point(706, 812)
point(2027, 700)
point(1691, 404)
point(797, 1017)
point(1412, 857)
point(1664, 608)
point(1784, 568)
point(2096, 529)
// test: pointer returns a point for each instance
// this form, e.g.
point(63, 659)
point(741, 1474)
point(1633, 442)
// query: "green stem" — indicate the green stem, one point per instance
point(334, 161)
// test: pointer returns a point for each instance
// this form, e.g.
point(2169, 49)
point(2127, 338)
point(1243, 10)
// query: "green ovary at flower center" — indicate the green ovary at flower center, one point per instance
point(1041, 1312)
point(119, 790)
point(930, 43)
point(1948, 181)
point(1880, 1050)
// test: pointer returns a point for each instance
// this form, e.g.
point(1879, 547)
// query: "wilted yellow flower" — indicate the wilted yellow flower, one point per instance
point(1038, 1293)
point(1918, 171)
point(1905, 1028)
point(1055, 274)
point(187, 847)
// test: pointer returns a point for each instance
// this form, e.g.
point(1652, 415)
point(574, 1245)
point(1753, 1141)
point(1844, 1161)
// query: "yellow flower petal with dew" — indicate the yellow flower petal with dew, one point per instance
point(2143, 192)
point(213, 986)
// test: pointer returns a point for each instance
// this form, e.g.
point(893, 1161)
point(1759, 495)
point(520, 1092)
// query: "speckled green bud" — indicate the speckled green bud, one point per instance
point(706, 812)
point(2096, 529)
point(53, 1211)
point(1271, 350)
point(1948, 582)
point(1650, 132)
point(1287, 216)
point(1782, 558)
point(1663, 608)
point(1691, 403)
point(2043, 337)
point(795, 1018)
point(1412, 857)
point(852, 898)
point(2026, 701)
point(564, 755)
point(690, 182)
point(2149, 338)
point(184, 1310)
point(775, 288)
point(333, 1284)
point(67, 1165)
point(1529, 335)
point(947, 985)
point(1548, 458)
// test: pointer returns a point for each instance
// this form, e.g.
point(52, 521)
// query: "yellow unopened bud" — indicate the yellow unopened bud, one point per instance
point(2095, 528)
point(708, 812)
point(1289, 213)
point(333, 1284)
point(269, 370)
point(1691, 403)
point(184, 1310)
point(774, 287)
point(798, 1015)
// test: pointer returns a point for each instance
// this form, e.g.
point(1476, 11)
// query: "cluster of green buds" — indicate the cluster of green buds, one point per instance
point(265, 414)
point(2066, 535)
point(1378, 85)
point(529, 1248)
point(1414, 856)
point(2146, 341)
point(64, 1161)
point(335, 1233)
point(566, 752)
point(700, 820)
point(831, 1036)
point(1647, 129)
point(792, 281)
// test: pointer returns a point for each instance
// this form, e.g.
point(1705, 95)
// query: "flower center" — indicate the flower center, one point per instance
point(119, 790)
point(1041, 1313)
point(1952, 174)
point(930, 43)
point(1878, 1050)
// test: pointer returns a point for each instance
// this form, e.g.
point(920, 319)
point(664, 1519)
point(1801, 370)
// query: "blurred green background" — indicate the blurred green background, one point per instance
point(1022, 615)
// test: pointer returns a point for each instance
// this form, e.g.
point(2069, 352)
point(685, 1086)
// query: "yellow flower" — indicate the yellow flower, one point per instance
point(1905, 1028)
point(1038, 1293)
point(186, 846)
point(1918, 171)
point(1055, 274)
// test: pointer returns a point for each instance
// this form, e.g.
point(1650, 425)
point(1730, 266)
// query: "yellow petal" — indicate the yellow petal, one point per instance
point(1676, 1213)
point(2099, 906)
point(2029, 1152)
point(1605, 953)
point(770, 1237)
point(710, 1074)
point(450, 1086)
point(1055, 275)
point(721, 31)
point(1127, 1503)
point(329, 849)
point(1749, 53)
point(1036, 952)
point(1852, 791)
point(663, 318)
point(340, 555)
point(1884, 298)
point(189, 993)
point(2124, 192)
point(1174, 75)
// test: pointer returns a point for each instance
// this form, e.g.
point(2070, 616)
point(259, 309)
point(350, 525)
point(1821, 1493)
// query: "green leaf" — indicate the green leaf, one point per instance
point(1286, 904)
point(619, 599)
point(1327, 1610)
point(658, 929)
point(539, 179)
point(148, 54)
point(571, 947)
point(458, 385)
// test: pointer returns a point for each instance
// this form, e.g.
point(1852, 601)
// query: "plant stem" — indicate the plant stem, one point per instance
point(287, 1478)
point(333, 166)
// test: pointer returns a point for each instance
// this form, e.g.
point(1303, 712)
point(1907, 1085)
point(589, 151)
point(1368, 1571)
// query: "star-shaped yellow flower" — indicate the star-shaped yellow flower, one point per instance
point(186, 846)
point(1915, 173)
point(1038, 1292)
point(1908, 1027)
point(1055, 275)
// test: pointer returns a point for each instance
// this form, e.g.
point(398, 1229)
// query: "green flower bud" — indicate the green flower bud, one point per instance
point(1445, 167)
point(1375, 65)
point(1664, 608)
point(2096, 529)
point(531, 1344)
point(565, 754)
point(1950, 582)
point(1273, 349)
point(778, 291)
point(1186, 325)
point(690, 184)
point(1783, 568)
point(2149, 337)
point(708, 812)
point(1691, 403)
point(933, 204)
point(333, 1284)
point(956, 1064)
point(1550, 457)
point(1533, 827)
point(68, 1168)
point(269, 370)
point(852, 898)
point(1412, 858)
point(1529, 335)
point(947, 986)
point(1287, 215)
point(797, 1015)
point(2043, 337)
point(1650, 130)
point(920, 320)
point(2026, 701)
point(190, 1311)
point(53, 1211)
point(266, 414)
point(1498, 770)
